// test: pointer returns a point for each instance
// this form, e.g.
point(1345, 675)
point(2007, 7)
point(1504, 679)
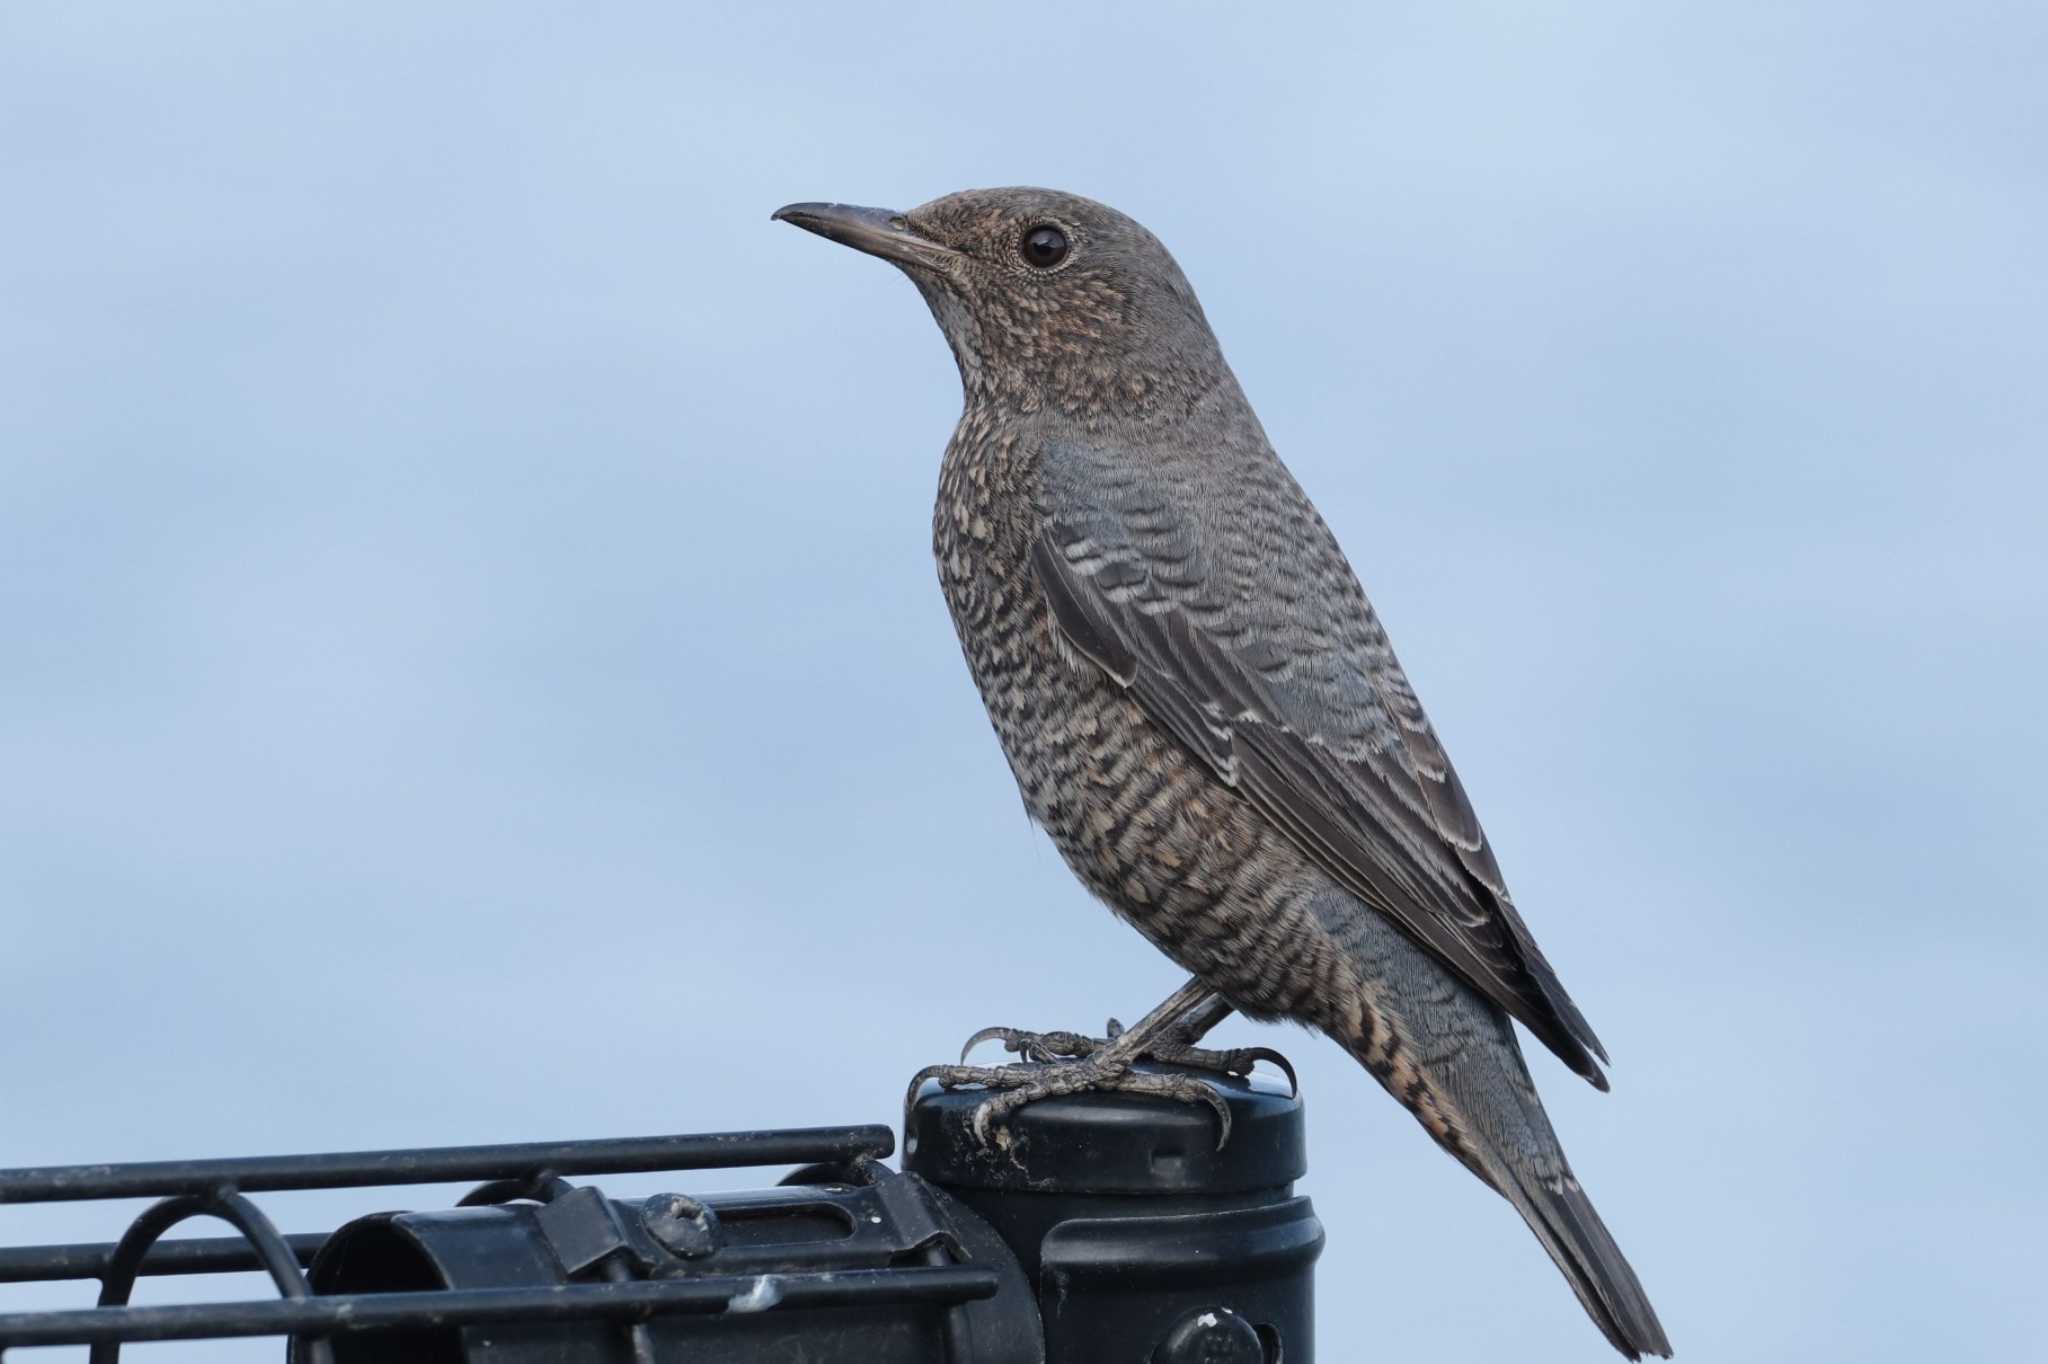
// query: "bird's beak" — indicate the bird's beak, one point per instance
point(876, 231)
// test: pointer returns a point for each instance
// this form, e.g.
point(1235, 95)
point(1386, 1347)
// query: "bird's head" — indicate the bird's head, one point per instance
point(1049, 300)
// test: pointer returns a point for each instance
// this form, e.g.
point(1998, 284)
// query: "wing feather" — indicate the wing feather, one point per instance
point(1312, 722)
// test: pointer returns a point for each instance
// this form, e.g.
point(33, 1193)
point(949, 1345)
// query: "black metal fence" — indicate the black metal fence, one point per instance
point(1106, 1227)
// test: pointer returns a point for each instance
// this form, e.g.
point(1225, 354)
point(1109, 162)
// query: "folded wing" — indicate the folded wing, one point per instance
point(1284, 683)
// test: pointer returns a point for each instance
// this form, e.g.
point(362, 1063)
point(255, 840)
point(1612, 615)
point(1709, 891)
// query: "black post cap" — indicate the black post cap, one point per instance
point(1112, 1143)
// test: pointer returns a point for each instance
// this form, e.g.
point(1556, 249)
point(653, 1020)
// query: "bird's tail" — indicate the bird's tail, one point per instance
point(1564, 1221)
point(1482, 1108)
point(1452, 1059)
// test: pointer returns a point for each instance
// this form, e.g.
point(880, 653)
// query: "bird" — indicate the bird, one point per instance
point(1202, 709)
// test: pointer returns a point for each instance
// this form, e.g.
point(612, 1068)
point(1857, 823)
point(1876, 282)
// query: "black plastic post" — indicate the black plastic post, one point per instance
point(1143, 1240)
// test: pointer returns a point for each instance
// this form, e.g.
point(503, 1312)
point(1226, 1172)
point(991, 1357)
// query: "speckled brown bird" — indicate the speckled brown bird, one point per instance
point(1203, 711)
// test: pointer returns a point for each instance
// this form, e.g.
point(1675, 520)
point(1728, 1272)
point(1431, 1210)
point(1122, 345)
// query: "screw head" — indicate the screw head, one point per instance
point(682, 1224)
point(1211, 1335)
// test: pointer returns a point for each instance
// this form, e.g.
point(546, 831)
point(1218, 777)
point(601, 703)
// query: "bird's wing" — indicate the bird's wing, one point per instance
point(1252, 642)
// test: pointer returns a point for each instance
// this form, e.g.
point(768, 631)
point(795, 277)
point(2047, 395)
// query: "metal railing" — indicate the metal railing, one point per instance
point(535, 1171)
point(1105, 1226)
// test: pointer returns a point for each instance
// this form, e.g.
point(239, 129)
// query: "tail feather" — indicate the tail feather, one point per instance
point(1451, 1058)
point(1565, 1222)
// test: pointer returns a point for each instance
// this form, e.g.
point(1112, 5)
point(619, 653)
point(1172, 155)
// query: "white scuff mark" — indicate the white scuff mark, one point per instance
point(762, 1294)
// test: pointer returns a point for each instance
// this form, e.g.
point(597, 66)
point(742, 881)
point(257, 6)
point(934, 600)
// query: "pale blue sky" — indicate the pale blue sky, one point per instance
point(472, 668)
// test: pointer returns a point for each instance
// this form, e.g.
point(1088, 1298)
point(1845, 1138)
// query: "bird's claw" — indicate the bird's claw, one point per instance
point(1052, 1047)
point(1019, 1085)
point(1036, 1046)
point(1238, 1061)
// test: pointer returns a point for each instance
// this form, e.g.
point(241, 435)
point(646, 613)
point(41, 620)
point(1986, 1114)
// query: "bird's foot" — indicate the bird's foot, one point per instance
point(1057, 1063)
point(1174, 1047)
point(1028, 1082)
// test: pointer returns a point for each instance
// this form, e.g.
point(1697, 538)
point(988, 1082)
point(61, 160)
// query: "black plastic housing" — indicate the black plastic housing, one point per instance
point(1143, 1240)
point(747, 1242)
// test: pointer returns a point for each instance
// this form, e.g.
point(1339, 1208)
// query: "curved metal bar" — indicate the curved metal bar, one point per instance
point(275, 1253)
point(542, 1186)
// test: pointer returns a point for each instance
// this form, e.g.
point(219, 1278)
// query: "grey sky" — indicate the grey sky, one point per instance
point(472, 668)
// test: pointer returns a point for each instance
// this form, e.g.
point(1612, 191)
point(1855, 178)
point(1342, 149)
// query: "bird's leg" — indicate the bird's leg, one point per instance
point(1178, 1038)
point(1069, 1063)
point(1175, 1045)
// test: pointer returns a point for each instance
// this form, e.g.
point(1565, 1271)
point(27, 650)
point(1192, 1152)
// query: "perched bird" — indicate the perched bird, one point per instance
point(1201, 707)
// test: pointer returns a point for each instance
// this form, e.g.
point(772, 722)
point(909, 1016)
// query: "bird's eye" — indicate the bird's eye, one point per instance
point(1045, 246)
